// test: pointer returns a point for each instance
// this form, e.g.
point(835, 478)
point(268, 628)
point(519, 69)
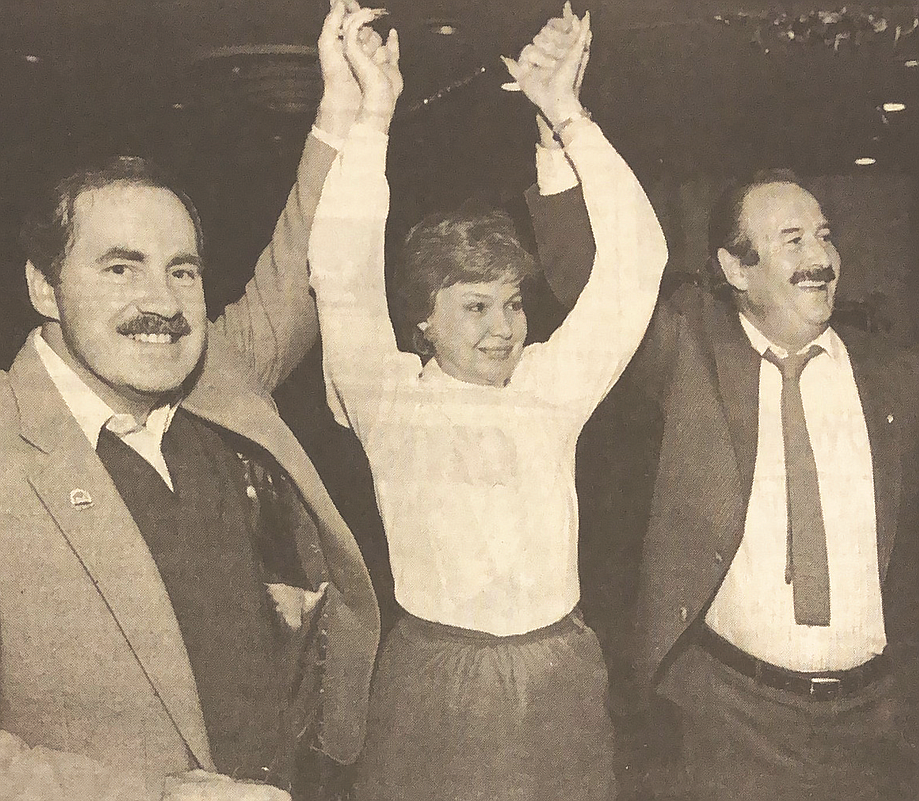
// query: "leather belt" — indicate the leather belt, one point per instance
point(824, 686)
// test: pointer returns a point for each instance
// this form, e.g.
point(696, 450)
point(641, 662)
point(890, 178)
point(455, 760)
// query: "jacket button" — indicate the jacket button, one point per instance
point(889, 418)
point(684, 614)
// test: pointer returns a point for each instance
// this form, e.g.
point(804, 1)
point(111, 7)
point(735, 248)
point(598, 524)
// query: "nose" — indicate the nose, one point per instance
point(157, 296)
point(500, 323)
point(821, 252)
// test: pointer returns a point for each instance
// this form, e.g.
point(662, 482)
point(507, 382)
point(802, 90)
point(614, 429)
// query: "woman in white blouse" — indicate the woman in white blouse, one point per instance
point(490, 686)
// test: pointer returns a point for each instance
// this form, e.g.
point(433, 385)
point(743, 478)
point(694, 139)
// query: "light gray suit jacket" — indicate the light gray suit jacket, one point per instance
point(94, 675)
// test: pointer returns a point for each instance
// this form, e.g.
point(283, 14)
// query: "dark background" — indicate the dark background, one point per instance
point(223, 92)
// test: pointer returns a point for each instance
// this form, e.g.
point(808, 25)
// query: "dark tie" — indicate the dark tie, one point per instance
point(806, 567)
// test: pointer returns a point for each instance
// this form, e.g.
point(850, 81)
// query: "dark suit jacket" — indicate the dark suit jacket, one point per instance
point(93, 670)
point(697, 366)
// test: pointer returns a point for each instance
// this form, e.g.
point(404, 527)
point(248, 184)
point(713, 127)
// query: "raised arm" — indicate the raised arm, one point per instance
point(588, 353)
point(564, 239)
point(274, 324)
point(566, 253)
point(360, 357)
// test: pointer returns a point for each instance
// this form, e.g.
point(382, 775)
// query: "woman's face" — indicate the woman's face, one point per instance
point(477, 331)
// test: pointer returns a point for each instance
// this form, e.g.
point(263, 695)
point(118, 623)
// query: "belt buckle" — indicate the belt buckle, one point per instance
point(825, 686)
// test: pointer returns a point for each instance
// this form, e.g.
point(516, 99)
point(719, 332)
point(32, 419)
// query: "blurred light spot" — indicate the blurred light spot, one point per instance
point(893, 107)
point(865, 161)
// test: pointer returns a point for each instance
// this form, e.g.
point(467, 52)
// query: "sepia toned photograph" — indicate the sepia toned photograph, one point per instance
point(459, 400)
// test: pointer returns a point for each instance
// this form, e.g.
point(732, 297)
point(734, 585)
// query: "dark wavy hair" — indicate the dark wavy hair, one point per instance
point(465, 246)
point(47, 230)
point(725, 229)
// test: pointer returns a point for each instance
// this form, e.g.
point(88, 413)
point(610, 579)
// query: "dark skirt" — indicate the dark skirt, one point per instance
point(457, 715)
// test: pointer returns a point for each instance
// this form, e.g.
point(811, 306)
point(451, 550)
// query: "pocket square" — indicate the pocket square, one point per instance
point(294, 604)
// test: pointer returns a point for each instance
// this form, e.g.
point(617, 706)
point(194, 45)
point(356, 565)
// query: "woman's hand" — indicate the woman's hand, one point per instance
point(341, 96)
point(550, 69)
point(377, 74)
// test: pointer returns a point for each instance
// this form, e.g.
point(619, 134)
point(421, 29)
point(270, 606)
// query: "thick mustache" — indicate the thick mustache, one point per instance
point(176, 326)
point(824, 274)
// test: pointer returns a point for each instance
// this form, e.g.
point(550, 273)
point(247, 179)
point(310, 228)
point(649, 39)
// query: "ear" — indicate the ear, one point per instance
point(735, 272)
point(41, 293)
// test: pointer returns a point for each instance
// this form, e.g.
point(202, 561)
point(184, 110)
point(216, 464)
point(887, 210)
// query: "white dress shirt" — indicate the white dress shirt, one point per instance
point(476, 483)
point(93, 414)
point(754, 608)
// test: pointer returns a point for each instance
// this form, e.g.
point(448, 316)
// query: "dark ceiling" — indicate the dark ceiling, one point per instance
point(671, 82)
point(223, 91)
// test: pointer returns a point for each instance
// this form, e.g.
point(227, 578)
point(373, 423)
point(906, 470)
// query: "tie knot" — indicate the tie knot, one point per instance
point(122, 424)
point(792, 365)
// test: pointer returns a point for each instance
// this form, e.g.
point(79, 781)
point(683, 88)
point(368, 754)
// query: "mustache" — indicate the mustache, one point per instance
point(150, 323)
point(825, 274)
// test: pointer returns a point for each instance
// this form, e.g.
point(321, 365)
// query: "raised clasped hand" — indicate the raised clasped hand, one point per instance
point(377, 73)
point(341, 96)
point(550, 69)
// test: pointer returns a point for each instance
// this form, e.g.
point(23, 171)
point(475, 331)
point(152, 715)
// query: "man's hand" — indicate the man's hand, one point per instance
point(377, 74)
point(199, 785)
point(341, 97)
point(549, 71)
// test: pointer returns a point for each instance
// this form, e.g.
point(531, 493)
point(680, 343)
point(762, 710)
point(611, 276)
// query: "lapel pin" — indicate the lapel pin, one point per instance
point(80, 499)
point(889, 418)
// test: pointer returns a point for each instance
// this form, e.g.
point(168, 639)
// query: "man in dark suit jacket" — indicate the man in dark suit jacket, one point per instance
point(776, 701)
point(182, 609)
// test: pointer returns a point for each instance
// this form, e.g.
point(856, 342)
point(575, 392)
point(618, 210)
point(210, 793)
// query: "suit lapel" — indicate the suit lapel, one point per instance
point(230, 398)
point(875, 377)
point(737, 365)
point(78, 493)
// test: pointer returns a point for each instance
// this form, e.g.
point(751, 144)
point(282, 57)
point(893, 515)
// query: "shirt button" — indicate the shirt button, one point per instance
point(684, 614)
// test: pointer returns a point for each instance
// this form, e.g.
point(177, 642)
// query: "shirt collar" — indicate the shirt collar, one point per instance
point(87, 408)
point(829, 340)
point(433, 374)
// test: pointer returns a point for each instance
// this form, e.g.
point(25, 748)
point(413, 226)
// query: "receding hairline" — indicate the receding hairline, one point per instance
point(755, 188)
point(125, 251)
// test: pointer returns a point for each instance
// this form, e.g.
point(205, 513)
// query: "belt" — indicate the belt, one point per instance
point(824, 686)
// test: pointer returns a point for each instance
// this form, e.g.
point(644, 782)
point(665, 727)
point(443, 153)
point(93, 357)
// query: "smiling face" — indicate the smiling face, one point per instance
point(128, 312)
point(789, 292)
point(477, 331)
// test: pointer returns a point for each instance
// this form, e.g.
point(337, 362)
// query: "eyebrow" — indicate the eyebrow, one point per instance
point(795, 228)
point(187, 258)
point(127, 254)
point(121, 253)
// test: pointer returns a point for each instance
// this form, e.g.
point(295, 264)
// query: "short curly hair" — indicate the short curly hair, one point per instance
point(47, 230)
point(464, 246)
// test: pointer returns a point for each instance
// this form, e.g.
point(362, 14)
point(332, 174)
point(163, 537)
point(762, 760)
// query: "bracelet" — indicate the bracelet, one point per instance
point(558, 130)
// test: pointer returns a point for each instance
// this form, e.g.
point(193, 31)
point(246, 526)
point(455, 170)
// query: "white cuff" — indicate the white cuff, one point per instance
point(334, 142)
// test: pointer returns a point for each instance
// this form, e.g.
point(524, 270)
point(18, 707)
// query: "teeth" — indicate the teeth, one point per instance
point(812, 284)
point(153, 339)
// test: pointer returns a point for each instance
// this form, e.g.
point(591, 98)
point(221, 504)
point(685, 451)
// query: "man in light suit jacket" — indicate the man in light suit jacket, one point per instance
point(179, 598)
point(776, 701)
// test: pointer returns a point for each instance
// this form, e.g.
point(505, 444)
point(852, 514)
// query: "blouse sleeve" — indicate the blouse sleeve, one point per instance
point(584, 358)
point(360, 356)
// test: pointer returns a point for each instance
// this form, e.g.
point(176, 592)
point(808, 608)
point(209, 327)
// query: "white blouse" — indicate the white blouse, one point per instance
point(475, 484)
